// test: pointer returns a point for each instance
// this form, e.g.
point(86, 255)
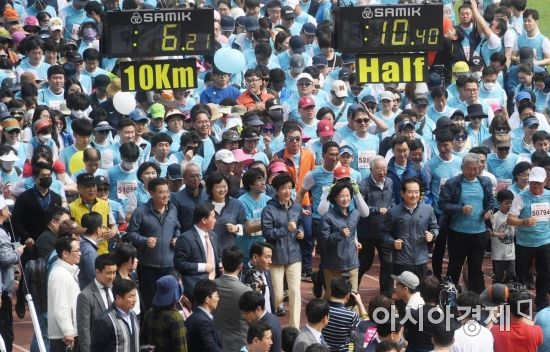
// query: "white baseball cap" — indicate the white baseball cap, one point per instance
point(537, 174)
point(226, 156)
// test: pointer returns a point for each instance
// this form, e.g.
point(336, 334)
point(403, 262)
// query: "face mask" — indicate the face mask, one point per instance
point(128, 165)
point(490, 86)
point(44, 137)
point(45, 182)
point(7, 165)
point(79, 114)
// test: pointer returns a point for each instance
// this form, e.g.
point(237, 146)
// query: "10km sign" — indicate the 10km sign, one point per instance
point(158, 75)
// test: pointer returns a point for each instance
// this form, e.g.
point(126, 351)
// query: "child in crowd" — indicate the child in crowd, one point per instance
point(502, 240)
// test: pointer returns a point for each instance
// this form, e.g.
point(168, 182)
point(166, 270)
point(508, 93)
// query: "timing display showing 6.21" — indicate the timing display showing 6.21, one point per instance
point(390, 28)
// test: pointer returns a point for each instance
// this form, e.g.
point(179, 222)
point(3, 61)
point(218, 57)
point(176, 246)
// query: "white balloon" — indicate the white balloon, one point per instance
point(124, 102)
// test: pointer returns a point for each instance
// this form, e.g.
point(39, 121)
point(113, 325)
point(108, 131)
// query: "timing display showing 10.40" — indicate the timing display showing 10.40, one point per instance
point(389, 28)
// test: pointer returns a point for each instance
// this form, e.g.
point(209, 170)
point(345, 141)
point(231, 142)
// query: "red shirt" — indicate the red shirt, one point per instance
point(520, 338)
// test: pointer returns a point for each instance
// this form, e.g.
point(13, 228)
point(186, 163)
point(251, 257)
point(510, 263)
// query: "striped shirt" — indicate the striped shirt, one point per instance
point(341, 324)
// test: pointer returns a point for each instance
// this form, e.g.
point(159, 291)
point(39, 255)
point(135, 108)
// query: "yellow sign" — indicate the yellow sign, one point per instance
point(392, 68)
point(158, 75)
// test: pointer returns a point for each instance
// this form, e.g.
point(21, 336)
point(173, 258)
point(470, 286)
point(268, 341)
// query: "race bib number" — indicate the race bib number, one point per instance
point(503, 184)
point(448, 10)
point(55, 104)
point(540, 211)
point(364, 158)
point(125, 188)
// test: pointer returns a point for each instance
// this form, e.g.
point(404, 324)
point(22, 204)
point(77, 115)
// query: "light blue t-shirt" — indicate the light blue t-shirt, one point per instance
point(533, 206)
point(253, 211)
point(122, 183)
point(437, 172)
point(472, 194)
point(363, 150)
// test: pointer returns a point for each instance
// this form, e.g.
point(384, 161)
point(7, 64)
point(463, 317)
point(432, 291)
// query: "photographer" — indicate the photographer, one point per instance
point(342, 320)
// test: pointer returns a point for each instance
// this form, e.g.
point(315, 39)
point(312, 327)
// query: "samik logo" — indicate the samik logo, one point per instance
point(388, 12)
point(173, 16)
point(136, 18)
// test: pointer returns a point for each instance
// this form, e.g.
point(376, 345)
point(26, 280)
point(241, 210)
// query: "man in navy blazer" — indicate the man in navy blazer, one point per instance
point(257, 276)
point(201, 333)
point(191, 257)
point(252, 304)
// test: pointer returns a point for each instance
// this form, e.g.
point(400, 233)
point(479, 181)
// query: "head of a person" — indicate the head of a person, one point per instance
point(125, 294)
point(125, 255)
point(401, 151)
point(126, 130)
point(259, 337)
point(105, 269)
point(406, 284)
point(93, 223)
point(520, 174)
point(470, 166)
point(541, 141)
point(87, 187)
point(411, 190)
point(148, 171)
point(504, 199)
point(252, 304)
point(330, 152)
point(537, 180)
point(158, 189)
point(55, 216)
point(192, 176)
point(206, 294)
point(531, 20)
point(340, 288)
point(379, 168)
point(288, 337)
point(232, 259)
point(200, 119)
point(341, 194)
point(254, 180)
point(261, 254)
point(293, 138)
point(416, 154)
point(283, 184)
point(204, 216)
point(468, 301)
point(68, 250)
point(429, 289)
point(317, 312)
point(217, 186)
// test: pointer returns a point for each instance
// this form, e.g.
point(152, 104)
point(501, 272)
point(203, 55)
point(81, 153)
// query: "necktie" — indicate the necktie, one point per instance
point(323, 342)
point(209, 257)
point(109, 301)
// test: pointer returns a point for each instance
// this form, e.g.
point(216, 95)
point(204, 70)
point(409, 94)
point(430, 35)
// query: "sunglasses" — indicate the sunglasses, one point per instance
point(501, 129)
point(14, 132)
point(194, 149)
point(293, 139)
point(461, 137)
point(360, 121)
point(268, 129)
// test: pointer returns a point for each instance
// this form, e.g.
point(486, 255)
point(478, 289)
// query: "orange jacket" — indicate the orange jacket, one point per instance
point(307, 163)
point(247, 101)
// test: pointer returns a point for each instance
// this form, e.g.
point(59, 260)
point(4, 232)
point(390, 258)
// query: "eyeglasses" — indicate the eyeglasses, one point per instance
point(304, 84)
point(293, 139)
point(360, 121)
point(253, 80)
point(268, 130)
point(461, 137)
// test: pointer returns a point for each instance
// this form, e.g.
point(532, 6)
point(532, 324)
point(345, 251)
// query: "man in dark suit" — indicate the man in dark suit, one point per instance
point(95, 298)
point(258, 276)
point(228, 319)
point(252, 305)
point(197, 254)
point(317, 311)
point(201, 333)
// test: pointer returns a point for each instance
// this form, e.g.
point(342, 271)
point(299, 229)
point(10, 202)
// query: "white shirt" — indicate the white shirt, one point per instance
point(103, 294)
point(202, 266)
point(477, 339)
point(315, 333)
point(415, 301)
